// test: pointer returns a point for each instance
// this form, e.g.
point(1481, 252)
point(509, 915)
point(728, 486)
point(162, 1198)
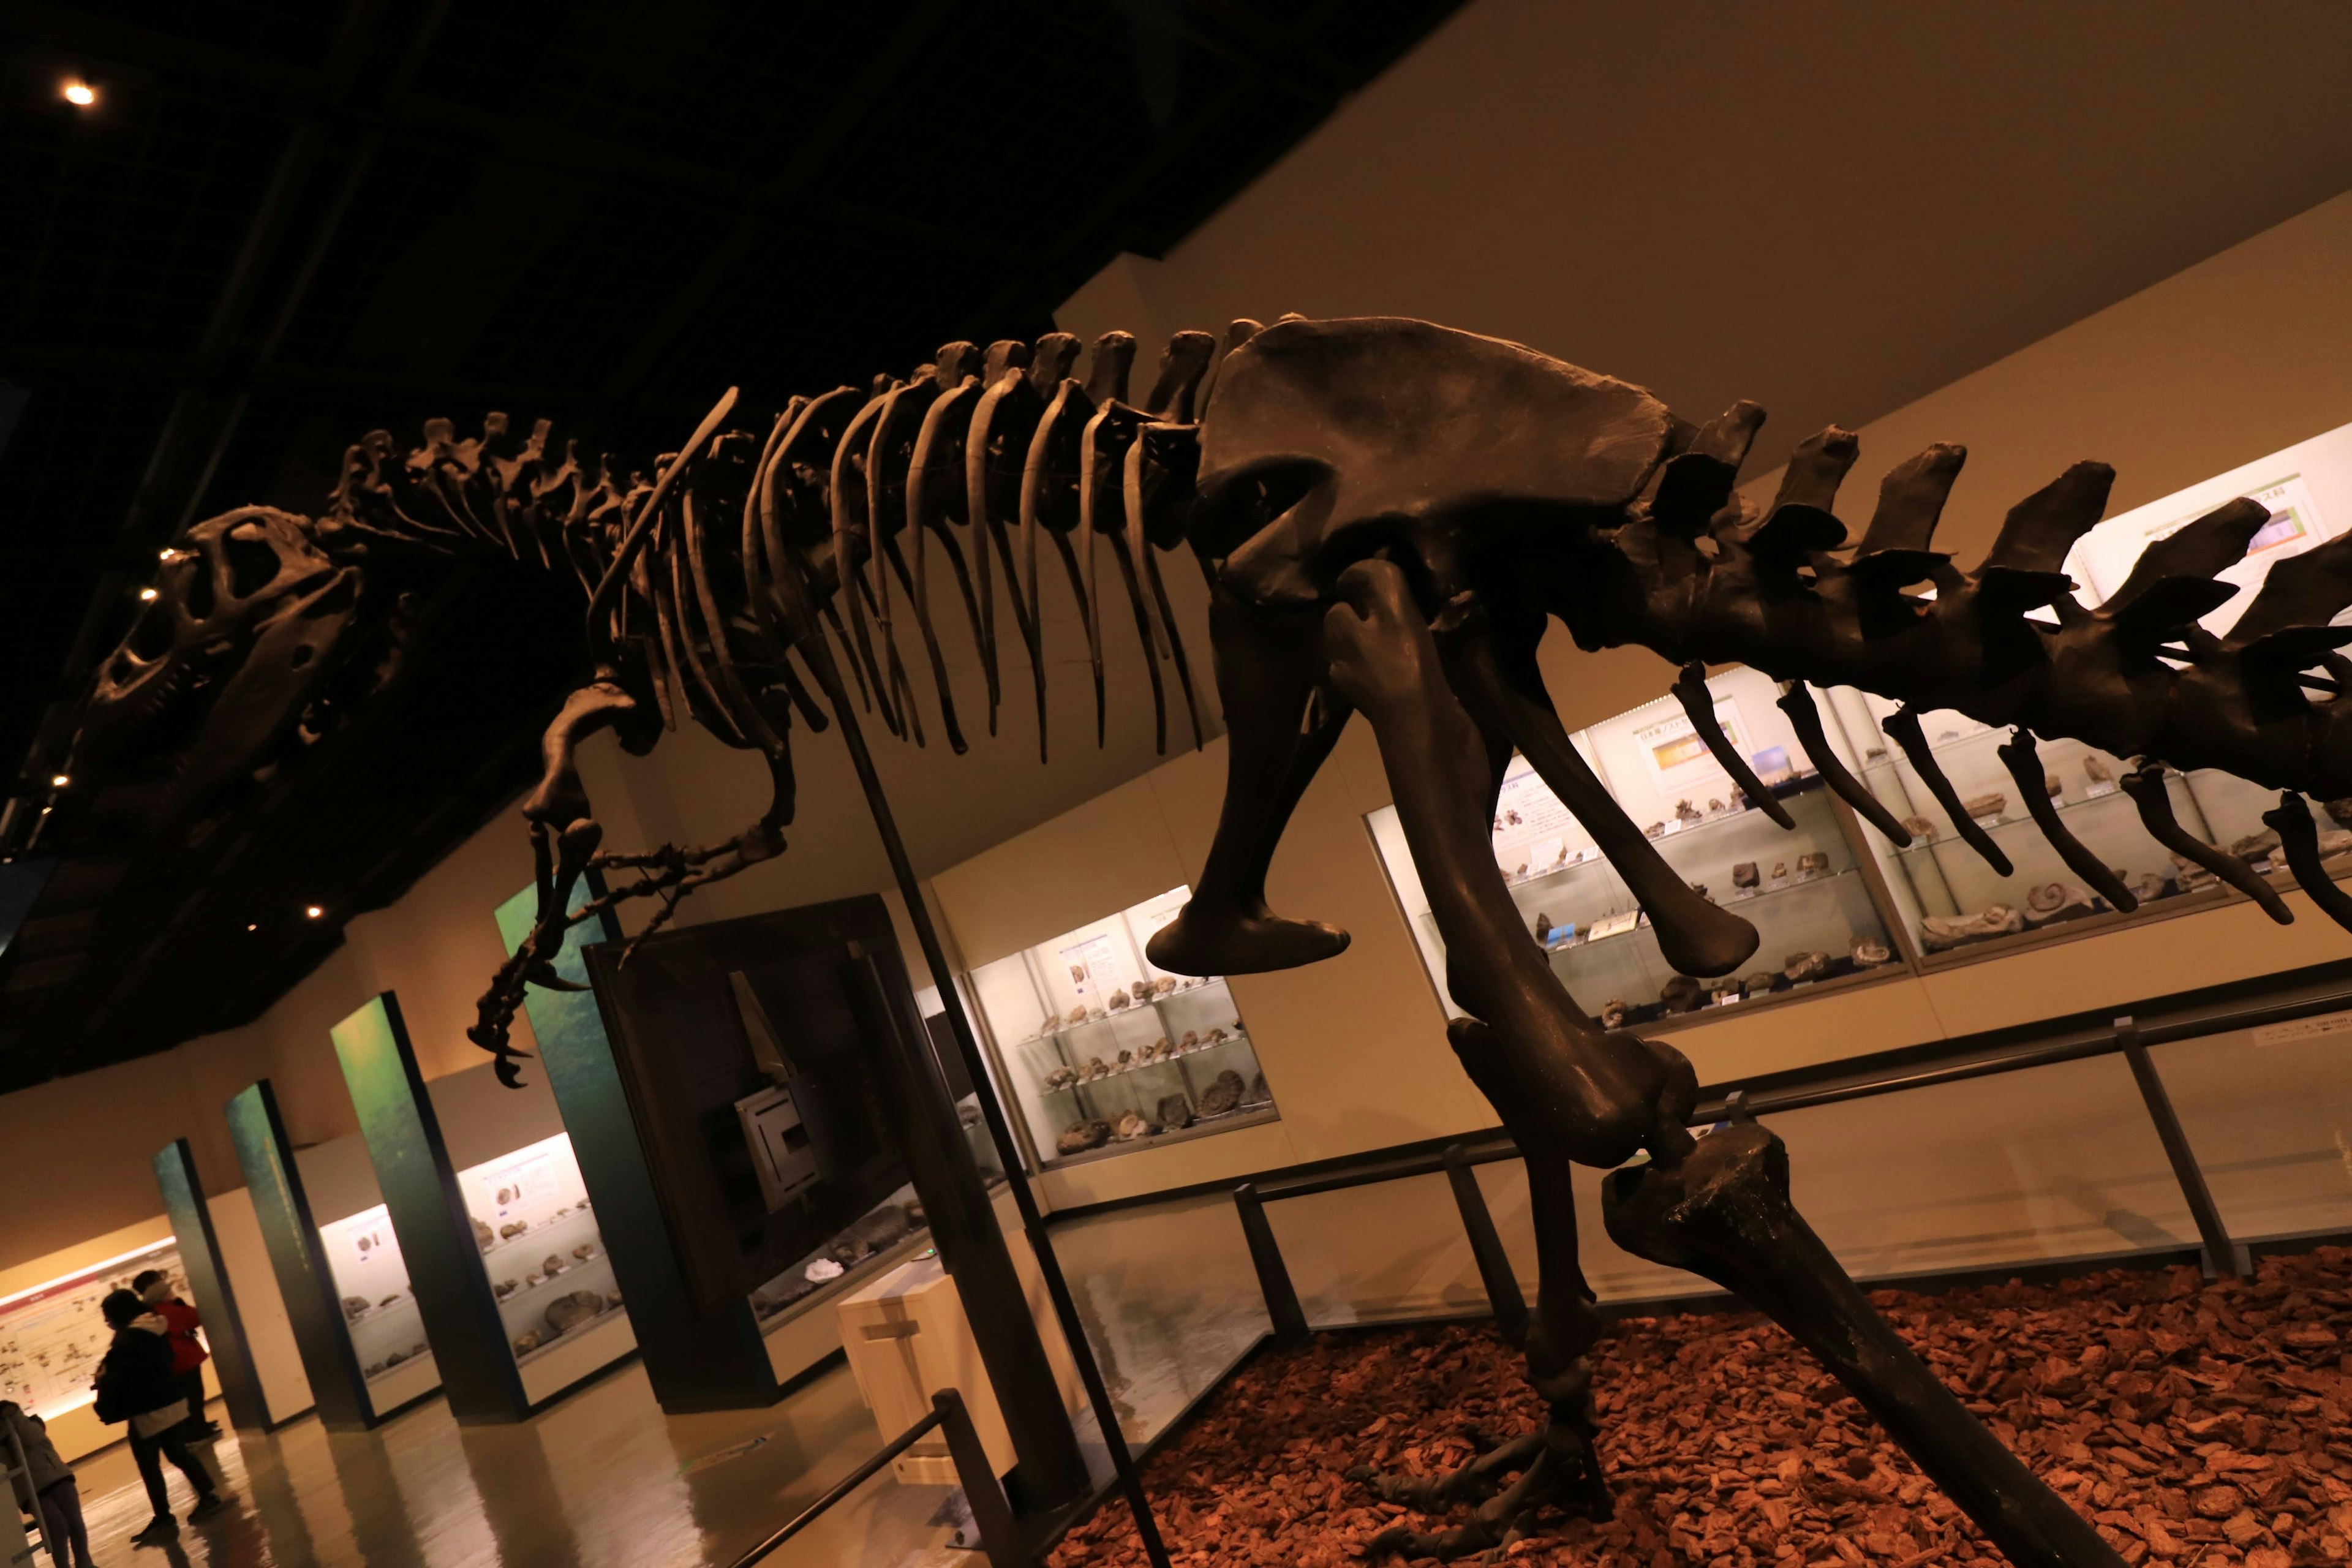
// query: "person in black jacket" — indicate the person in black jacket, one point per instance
point(136, 1384)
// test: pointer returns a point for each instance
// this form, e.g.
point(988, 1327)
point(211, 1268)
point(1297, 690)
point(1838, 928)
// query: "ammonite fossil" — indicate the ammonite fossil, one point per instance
point(1680, 994)
point(1082, 1136)
point(1869, 953)
point(1174, 1111)
point(1131, 1127)
point(1223, 1093)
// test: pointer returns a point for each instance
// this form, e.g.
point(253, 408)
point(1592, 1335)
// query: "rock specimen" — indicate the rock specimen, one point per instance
point(1760, 982)
point(1812, 864)
point(1780, 872)
point(1980, 806)
point(1542, 926)
point(566, 1313)
point(1723, 989)
point(1223, 1093)
point(1714, 808)
point(1687, 814)
point(613, 1301)
point(1131, 1127)
point(505, 1288)
point(1680, 994)
point(1745, 875)
point(511, 1229)
point(2147, 887)
point(1655, 830)
point(2255, 849)
point(1938, 933)
point(1077, 1015)
point(484, 1237)
point(1613, 1013)
point(1869, 953)
point(1803, 966)
point(1257, 1093)
point(353, 1306)
point(1082, 1136)
point(1191, 1038)
point(886, 1226)
point(1921, 830)
point(1060, 1077)
point(2189, 877)
point(2096, 771)
point(388, 1300)
point(527, 1342)
point(2055, 786)
point(2341, 810)
point(2047, 902)
point(552, 1265)
point(1119, 1000)
point(1174, 1111)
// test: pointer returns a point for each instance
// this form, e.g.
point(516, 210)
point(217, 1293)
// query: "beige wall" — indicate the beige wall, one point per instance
point(2234, 357)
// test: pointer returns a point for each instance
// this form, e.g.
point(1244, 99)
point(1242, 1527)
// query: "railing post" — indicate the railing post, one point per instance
point(1486, 1248)
point(2222, 1258)
point(991, 1510)
point(1273, 1274)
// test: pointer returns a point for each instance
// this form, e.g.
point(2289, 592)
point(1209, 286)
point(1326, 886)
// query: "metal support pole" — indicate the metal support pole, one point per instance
point(991, 1510)
point(1495, 1269)
point(1273, 1274)
point(2222, 1258)
point(819, 654)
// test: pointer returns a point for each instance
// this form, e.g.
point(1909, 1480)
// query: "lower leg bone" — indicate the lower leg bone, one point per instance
point(1724, 1211)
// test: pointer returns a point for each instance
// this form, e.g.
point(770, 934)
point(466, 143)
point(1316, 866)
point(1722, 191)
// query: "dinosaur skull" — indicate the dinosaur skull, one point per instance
point(1326, 441)
point(221, 662)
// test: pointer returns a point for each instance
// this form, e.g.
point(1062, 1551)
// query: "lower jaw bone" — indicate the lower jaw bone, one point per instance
point(1723, 1211)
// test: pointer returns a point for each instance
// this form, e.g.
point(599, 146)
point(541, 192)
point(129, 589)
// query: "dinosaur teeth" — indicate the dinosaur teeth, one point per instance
point(1797, 702)
point(1910, 503)
point(2023, 759)
point(1107, 373)
point(2291, 820)
point(1698, 706)
point(2040, 529)
point(1905, 726)
point(2146, 784)
point(1181, 365)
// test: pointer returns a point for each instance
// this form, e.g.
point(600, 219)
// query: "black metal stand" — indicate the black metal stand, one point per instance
point(2223, 1257)
point(1273, 1274)
point(1494, 1271)
point(1044, 1444)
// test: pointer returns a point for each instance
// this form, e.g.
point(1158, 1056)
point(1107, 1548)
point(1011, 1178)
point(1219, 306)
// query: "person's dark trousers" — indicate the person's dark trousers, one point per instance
point(191, 1383)
point(61, 1524)
point(149, 1454)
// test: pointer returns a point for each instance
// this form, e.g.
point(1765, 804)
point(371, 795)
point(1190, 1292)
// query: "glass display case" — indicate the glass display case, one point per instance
point(1806, 892)
point(1951, 899)
point(380, 1311)
point(1103, 1051)
point(539, 1244)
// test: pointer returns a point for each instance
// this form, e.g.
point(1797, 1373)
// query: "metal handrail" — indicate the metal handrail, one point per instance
point(992, 1512)
point(2123, 1037)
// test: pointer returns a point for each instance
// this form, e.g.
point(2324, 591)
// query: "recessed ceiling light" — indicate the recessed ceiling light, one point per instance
point(59, 781)
point(147, 595)
point(253, 925)
point(79, 93)
point(314, 912)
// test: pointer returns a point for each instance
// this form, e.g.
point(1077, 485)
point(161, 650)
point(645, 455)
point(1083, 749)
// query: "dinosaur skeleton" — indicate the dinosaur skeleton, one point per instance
point(1389, 513)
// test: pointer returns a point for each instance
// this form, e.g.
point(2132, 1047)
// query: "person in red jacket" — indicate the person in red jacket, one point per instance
point(188, 1352)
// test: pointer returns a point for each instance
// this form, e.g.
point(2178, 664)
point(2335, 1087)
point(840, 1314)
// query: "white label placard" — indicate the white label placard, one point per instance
point(2304, 1030)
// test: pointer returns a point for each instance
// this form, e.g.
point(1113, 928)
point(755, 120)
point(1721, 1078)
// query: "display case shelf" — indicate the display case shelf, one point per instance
point(1079, 971)
point(2001, 825)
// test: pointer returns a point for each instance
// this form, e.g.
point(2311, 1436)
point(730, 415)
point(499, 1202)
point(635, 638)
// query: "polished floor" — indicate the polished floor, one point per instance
point(1170, 1300)
point(605, 1479)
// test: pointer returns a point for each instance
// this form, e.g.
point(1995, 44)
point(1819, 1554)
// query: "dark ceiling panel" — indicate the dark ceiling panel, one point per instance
point(285, 224)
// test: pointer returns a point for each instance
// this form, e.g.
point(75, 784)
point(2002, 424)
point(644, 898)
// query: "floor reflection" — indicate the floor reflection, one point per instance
point(603, 1480)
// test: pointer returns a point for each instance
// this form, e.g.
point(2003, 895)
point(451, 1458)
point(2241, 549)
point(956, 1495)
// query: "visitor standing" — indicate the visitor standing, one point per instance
point(188, 1352)
point(135, 1385)
point(56, 1500)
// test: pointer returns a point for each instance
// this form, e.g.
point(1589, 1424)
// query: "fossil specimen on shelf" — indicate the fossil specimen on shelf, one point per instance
point(1938, 933)
point(1083, 1135)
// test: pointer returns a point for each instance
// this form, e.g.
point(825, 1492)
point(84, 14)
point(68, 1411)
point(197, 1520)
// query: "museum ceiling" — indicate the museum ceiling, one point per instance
point(282, 225)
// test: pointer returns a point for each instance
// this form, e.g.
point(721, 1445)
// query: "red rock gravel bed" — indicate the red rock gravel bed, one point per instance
point(2196, 1425)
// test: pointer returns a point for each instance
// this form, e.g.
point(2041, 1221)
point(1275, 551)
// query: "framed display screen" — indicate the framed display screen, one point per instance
point(52, 1338)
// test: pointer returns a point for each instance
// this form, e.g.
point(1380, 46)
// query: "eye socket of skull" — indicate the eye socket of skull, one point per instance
point(1408, 429)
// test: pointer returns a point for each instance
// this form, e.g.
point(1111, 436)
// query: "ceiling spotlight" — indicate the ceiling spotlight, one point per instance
point(59, 781)
point(255, 925)
point(147, 595)
point(314, 912)
point(79, 93)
